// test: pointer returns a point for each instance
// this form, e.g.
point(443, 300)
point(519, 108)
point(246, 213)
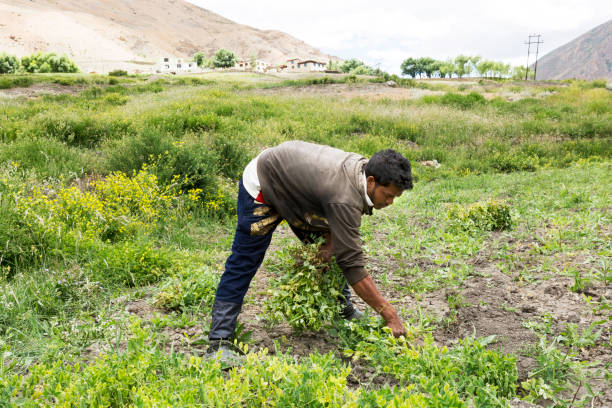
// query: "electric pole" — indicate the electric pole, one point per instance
point(537, 43)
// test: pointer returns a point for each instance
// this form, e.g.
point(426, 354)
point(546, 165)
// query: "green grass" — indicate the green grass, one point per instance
point(532, 173)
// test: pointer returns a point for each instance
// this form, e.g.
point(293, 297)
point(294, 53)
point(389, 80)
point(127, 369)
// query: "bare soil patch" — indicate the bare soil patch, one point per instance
point(367, 91)
point(40, 89)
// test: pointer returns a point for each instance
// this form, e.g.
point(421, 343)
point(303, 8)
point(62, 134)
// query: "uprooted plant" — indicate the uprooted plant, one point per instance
point(307, 293)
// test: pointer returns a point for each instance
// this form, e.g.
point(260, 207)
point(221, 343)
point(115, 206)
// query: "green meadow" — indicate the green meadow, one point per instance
point(117, 201)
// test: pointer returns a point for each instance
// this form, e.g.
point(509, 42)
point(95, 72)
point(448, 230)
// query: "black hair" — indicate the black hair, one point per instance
point(390, 167)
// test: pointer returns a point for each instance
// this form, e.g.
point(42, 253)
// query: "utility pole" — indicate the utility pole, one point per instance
point(537, 42)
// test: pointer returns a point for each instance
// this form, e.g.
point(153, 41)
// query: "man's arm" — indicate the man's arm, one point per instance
point(367, 290)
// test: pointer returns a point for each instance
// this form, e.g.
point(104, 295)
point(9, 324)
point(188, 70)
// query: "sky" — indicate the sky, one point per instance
point(386, 33)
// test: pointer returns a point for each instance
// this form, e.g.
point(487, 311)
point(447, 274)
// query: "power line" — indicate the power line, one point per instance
point(537, 42)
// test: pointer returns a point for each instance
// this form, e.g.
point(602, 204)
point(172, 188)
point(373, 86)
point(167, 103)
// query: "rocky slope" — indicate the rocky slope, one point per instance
point(107, 34)
point(587, 57)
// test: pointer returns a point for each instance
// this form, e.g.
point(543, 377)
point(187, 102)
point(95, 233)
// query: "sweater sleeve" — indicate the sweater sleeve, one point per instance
point(344, 222)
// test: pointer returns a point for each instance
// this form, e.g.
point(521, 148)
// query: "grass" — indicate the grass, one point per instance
point(116, 194)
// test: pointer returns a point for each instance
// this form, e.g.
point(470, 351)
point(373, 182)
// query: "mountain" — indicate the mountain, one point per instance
point(587, 57)
point(109, 34)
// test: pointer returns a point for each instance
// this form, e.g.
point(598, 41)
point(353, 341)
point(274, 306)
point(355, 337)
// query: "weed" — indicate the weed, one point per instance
point(307, 293)
point(490, 216)
point(188, 289)
point(576, 339)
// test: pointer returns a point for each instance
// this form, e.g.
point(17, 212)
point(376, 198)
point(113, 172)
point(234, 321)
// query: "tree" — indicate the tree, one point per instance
point(446, 68)
point(361, 70)
point(224, 59)
point(485, 68)
point(351, 64)
point(200, 59)
point(429, 66)
point(9, 64)
point(410, 67)
point(333, 65)
point(460, 65)
point(519, 72)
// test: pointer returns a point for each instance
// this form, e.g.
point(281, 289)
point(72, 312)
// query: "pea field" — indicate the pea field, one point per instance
point(117, 212)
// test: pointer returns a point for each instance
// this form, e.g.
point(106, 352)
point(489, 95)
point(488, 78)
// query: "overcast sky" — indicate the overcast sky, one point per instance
point(387, 32)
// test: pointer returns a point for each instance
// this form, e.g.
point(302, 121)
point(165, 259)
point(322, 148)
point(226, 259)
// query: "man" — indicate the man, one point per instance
point(319, 191)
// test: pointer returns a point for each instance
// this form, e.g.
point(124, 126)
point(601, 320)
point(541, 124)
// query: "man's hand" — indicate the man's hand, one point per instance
point(326, 250)
point(396, 326)
point(366, 290)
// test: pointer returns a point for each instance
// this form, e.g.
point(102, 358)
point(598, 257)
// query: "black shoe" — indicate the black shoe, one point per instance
point(225, 352)
point(351, 313)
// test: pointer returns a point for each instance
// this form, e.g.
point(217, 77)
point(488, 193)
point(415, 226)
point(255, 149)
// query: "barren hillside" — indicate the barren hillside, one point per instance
point(587, 57)
point(102, 35)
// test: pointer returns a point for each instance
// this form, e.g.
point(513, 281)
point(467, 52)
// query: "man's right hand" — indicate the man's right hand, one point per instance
point(366, 290)
point(396, 326)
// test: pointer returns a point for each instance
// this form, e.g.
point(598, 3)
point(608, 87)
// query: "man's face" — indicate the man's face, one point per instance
point(382, 196)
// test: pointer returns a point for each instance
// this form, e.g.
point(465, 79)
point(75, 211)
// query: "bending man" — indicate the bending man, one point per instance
point(320, 191)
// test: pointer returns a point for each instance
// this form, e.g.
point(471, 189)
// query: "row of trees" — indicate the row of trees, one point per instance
point(352, 66)
point(221, 59)
point(459, 66)
point(36, 63)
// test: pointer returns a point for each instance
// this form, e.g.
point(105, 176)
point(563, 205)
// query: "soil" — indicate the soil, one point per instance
point(492, 303)
point(367, 91)
point(40, 89)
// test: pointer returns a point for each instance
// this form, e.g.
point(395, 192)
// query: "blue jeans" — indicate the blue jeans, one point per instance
point(256, 224)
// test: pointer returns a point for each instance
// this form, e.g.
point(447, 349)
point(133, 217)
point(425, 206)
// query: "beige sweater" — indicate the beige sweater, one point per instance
point(319, 188)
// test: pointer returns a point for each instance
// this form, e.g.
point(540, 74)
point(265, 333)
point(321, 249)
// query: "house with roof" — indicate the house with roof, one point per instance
point(176, 65)
point(245, 65)
point(307, 65)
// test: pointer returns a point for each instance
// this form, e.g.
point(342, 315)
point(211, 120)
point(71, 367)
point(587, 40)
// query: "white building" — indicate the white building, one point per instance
point(245, 65)
point(176, 65)
point(297, 65)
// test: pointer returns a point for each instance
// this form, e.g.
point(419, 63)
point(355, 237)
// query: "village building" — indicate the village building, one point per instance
point(176, 65)
point(245, 65)
point(297, 65)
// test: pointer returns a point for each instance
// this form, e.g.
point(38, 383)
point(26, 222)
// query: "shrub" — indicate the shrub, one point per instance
point(130, 263)
point(115, 99)
point(490, 215)
point(14, 82)
point(9, 64)
point(45, 63)
point(117, 73)
point(468, 101)
point(307, 292)
point(24, 244)
point(81, 129)
point(188, 289)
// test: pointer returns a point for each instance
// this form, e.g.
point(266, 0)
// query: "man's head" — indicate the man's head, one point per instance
point(388, 174)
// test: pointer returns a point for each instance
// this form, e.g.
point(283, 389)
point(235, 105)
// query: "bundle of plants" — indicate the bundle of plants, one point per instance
point(307, 292)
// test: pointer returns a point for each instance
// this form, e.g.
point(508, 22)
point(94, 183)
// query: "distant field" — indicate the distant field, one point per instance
point(117, 213)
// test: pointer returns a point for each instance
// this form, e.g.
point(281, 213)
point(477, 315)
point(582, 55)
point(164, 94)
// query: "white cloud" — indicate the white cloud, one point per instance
point(388, 32)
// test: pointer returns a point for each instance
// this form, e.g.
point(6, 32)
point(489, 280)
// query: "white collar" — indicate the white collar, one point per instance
point(365, 189)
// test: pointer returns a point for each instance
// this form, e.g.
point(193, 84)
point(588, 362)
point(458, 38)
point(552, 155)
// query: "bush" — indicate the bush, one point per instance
point(48, 158)
point(118, 72)
point(14, 82)
point(468, 101)
point(80, 129)
point(489, 215)
point(115, 99)
point(9, 64)
point(306, 292)
point(45, 63)
point(130, 263)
